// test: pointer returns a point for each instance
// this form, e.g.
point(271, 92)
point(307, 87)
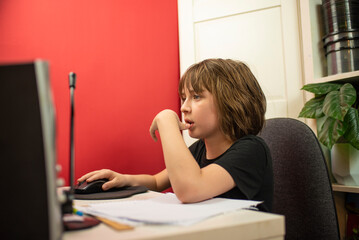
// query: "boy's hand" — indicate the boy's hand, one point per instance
point(167, 115)
point(114, 179)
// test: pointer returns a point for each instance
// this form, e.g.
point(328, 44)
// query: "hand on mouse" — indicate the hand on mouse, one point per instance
point(115, 179)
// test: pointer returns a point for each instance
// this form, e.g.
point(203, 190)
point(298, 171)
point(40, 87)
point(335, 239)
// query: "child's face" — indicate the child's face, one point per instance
point(200, 112)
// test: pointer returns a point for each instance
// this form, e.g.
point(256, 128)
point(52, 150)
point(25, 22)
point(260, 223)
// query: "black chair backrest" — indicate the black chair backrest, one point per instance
point(302, 188)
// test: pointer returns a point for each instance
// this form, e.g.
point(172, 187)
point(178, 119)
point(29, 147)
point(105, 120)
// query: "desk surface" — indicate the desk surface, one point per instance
point(245, 224)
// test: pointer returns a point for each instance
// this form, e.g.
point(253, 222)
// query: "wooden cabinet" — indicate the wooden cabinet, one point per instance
point(315, 71)
point(313, 57)
point(339, 196)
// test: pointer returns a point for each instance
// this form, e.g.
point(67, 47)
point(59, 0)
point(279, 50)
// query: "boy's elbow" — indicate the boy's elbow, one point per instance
point(184, 198)
point(188, 196)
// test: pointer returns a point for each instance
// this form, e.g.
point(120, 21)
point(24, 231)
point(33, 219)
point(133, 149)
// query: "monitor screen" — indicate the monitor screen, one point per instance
point(30, 206)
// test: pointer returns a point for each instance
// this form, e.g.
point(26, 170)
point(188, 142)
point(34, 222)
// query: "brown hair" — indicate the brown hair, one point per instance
point(239, 99)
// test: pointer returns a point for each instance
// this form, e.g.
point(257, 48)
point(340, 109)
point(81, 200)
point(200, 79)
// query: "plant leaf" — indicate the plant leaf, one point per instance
point(331, 130)
point(313, 108)
point(337, 103)
point(321, 88)
point(352, 133)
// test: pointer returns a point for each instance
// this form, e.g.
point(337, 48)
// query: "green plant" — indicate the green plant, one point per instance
point(355, 234)
point(337, 104)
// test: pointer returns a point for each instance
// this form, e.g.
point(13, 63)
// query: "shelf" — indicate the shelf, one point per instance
point(314, 61)
point(348, 76)
point(343, 188)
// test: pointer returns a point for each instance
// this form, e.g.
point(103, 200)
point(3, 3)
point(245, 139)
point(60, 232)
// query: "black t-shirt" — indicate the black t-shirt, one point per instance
point(249, 163)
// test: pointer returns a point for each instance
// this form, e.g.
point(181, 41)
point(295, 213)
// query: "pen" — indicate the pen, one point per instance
point(77, 212)
point(115, 225)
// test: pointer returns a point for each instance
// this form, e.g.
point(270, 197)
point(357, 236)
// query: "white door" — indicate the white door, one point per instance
point(262, 33)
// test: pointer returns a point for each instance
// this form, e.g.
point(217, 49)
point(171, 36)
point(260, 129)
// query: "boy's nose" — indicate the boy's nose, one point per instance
point(185, 107)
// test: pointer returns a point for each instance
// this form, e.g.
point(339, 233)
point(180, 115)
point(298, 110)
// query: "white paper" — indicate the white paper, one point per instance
point(166, 209)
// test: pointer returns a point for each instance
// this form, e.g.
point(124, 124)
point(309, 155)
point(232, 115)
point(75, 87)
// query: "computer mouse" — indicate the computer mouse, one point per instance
point(90, 187)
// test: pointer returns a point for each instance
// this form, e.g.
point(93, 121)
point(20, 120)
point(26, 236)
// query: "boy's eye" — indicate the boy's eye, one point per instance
point(195, 96)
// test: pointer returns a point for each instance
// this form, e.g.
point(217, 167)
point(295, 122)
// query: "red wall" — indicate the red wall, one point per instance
point(125, 55)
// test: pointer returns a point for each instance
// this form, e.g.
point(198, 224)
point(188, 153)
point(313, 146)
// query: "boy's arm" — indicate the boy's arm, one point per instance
point(189, 182)
point(158, 182)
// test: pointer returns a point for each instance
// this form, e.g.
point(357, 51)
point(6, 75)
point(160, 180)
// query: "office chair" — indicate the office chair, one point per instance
point(302, 188)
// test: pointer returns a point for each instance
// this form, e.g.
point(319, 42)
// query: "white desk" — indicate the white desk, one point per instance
point(242, 224)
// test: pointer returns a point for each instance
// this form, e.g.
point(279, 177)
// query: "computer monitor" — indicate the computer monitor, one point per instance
point(30, 206)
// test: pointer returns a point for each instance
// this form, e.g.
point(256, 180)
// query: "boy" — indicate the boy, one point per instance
point(223, 106)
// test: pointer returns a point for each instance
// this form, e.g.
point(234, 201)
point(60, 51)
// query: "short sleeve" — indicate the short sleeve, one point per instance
point(197, 149)
point(246, 161)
